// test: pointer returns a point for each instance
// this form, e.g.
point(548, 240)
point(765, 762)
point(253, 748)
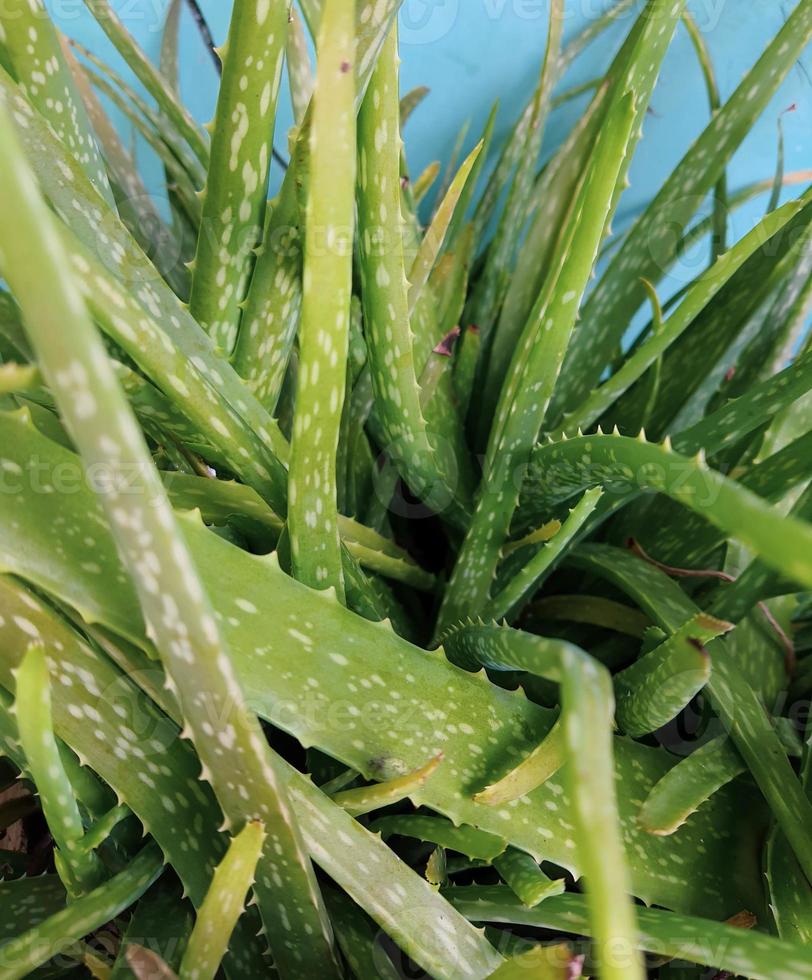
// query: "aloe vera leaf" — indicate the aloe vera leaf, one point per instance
point(357, 937)
point(730, 423)
point(272, 307)
point(223, 904)
point(757, 582)
point(261, 648)
point(300, 70)
point(135, 767)
point(27, 902)
point(546, 962)
point(271, 312)
point(620, 465)
point(533, 771)
point(406, 907)
point(239, 165)
point(512, 150)
point(470, 841)
point(720, 201)
point(557, 192)
point(159, 927)
point(156, 128)
point(736, 200)
point(773, 348)
point(736, 703)
point(657, 326)
point(368, 744)
point(127, 263)
point(23, 954)
point(45, 79)
point(169, 61)
point(525, 878)
point(778, 180)
point(460, 218)
point(699, 296)
point(592, 30)
point(411, 101)
point(465, 366)
point(341, 862)
point(325, 323)
point(367, 798)
point(593, 610)
point(524, 399)
point(634, 69)
point(658, 686)
point(191, 852)
point(449, 283)
point(436, 872)
point(586, 726)
point(519, 590)
point(98, 832)
point(497, 182)
point(702, 941)
point(730, 327)
point(95, 797)
point(385, 296)
point(177, 610)
point(425, 181)
point(691, 782)
point(492, 284)
point(219, 501)
point(416, 918)
point(188, 379)
point(150, 78)
point(437, 231)
point(32, 708)
point(790, 890)
point(650, 246)
point(178, 170)
point(135, 205)
point(336, 841)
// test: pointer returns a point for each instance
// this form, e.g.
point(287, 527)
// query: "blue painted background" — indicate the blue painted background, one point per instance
point(470, 52)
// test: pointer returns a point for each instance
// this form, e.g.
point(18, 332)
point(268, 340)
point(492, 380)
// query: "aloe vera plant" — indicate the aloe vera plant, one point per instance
point(344, 606)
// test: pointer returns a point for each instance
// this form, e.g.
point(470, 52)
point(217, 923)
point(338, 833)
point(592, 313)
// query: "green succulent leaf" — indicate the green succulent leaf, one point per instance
point(368, 798)
point(261, 644)
point(734, 700)
point(32, 708)
point(689, 784)
point(223, 905)
point(654, 690)
point(239, 164)
point(622, 465)
point(150, 77)
point(473, 843)
point(23, 954)
point(525, 878)
point(740, 951)
point(324, 334)
point(175, 605)
point(386, 298)
point(586, 724)
point(535, 366)
point(649, 249)
point(33, 46)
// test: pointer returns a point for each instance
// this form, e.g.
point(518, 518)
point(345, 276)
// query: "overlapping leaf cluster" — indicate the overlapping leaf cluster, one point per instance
point(367, 573)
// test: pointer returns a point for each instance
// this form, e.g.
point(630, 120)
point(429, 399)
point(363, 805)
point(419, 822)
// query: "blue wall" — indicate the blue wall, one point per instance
point(470, 52)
